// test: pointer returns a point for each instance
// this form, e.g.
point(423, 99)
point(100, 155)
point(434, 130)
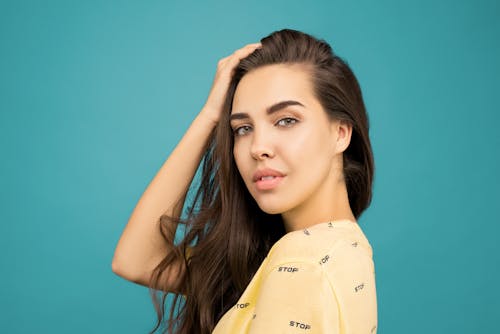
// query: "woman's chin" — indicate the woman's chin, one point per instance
point(271, 209)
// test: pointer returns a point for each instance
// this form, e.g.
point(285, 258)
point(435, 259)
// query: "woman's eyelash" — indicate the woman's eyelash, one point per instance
point(288, 118)
point(235, 131)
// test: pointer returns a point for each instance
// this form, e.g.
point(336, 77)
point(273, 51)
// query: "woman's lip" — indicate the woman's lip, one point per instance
point(265, 172)
point(268, 184)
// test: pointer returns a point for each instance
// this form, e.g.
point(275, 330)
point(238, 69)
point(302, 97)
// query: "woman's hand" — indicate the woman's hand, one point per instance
point(225, 66)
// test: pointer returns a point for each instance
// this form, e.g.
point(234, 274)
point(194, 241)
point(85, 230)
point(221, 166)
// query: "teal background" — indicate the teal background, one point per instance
point(94, 95)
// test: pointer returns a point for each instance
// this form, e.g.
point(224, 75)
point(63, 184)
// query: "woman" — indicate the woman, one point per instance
point(272, 244)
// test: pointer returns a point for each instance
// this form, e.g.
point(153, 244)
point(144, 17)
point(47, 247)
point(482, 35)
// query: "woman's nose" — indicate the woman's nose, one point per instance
point(261, 147)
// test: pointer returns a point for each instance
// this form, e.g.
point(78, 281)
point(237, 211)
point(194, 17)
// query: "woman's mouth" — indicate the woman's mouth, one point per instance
point(268, 182)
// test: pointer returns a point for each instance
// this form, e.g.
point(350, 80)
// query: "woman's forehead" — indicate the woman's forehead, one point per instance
point(264, 87)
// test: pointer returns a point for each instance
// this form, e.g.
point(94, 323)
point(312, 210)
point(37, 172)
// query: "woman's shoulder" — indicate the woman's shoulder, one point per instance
point(316, 243)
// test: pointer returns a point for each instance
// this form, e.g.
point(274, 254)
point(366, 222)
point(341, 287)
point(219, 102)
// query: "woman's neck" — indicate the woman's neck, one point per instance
point(329, 205)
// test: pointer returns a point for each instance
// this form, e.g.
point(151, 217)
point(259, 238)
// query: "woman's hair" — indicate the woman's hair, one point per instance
point(226, 233)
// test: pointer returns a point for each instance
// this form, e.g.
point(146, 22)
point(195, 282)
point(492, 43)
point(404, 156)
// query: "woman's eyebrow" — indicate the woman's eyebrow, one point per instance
point(272, 109)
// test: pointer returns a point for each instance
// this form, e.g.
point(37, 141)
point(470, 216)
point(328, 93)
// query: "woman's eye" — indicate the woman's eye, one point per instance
point(287, 121)
point(238, 131)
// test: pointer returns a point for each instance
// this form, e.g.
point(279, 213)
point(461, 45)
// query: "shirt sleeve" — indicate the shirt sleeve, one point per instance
point(351, 272)
point(296, 297)
point(334, 295)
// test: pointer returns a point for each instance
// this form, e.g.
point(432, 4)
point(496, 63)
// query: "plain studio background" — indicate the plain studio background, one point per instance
point(94, 95)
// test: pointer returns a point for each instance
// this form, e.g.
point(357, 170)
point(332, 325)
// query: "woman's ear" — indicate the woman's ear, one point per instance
point(343, 133)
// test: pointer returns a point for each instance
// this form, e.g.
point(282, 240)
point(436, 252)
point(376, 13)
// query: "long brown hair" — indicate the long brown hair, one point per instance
point(227, 234)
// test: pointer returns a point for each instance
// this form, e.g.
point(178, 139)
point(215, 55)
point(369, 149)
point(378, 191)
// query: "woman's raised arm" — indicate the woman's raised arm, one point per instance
point(141, 247)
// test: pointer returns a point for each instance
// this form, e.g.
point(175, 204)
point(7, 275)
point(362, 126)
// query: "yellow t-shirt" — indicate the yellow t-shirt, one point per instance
point(317, 280)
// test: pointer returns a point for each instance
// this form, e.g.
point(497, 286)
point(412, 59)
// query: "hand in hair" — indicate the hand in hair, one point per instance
point(225, 66)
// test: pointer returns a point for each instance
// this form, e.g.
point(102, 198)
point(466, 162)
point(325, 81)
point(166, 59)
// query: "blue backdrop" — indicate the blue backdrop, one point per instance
point(94, 95)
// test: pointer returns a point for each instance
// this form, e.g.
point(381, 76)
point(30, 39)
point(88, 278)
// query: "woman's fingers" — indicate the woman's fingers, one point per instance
point(240, 53)
point(225, 67)
point(246, 50)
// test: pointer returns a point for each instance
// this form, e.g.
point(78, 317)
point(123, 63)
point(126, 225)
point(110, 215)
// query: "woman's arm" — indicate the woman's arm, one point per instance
point(141, 246)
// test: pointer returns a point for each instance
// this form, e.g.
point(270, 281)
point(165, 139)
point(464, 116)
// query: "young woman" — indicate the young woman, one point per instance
point(272, 243)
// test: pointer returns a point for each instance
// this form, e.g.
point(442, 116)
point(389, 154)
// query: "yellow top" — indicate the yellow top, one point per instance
point(317, 280)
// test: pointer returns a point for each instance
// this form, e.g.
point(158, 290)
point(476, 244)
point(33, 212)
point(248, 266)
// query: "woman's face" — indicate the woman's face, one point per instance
point(295, 139)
